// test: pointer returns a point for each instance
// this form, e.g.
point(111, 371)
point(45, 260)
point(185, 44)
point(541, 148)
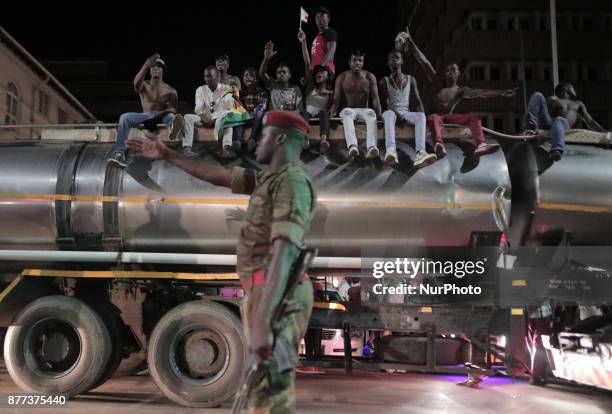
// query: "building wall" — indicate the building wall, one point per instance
point(30, 85)
point(506, 44)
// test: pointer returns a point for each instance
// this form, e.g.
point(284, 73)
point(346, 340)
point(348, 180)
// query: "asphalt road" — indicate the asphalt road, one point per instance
point(361, 392)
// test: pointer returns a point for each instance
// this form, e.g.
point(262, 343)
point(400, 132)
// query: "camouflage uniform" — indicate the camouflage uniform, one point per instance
point(282, 204)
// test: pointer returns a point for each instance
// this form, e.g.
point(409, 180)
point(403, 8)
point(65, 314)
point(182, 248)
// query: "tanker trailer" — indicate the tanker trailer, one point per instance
point(108, 262)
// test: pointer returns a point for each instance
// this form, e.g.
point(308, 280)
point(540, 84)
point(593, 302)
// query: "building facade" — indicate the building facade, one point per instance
point(31, 95)
point(500, 45)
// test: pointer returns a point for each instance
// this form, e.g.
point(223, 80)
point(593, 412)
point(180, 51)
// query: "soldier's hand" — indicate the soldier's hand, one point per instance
point(269, 51)
point(152, 59)
point(301, 36)
point(150, 148)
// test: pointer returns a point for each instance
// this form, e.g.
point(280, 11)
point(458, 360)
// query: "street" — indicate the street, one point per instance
point(361, 392)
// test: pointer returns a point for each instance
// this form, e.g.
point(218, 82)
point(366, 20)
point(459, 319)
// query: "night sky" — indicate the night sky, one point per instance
point(189, 37)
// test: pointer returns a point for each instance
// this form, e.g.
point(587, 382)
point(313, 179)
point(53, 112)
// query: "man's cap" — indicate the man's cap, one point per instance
point(160, 62)
point(323, 10)
point(286, 119)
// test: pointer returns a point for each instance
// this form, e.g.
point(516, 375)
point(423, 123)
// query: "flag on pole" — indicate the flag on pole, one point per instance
point(303, 15)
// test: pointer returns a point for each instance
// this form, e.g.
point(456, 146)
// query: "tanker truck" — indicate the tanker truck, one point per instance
point(106, 269)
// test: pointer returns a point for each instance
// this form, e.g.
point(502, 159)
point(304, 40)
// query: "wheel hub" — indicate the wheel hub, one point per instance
point(203, 352)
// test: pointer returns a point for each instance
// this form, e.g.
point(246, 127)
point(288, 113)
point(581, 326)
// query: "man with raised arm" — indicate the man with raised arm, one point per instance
point(283, 96)
point(447, 94)
point(159, 104)
point(355, 91)
point(280, 211)
point(559, 113)
point(395, 97)
point(323, 49)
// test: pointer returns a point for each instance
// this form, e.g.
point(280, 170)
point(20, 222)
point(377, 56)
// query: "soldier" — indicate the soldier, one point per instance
point(280, 210)
point(159, 103)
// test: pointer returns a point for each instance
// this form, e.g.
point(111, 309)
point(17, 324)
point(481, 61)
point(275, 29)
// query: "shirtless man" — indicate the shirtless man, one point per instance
point(395, 91)
point(159, 102)
point(561, 113)
point(357, 88)
point(222, 65)
point(448, 94)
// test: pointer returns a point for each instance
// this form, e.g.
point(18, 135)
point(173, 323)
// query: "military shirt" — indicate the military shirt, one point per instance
point(282, 204)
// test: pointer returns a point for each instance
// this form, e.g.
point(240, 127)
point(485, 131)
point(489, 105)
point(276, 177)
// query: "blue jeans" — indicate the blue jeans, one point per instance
point(132, 119)
point(539, 116)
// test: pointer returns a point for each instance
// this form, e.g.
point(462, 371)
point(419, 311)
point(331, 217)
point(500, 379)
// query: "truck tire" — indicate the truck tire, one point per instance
point(113, 324)
point(196, 354)
point(57, 345)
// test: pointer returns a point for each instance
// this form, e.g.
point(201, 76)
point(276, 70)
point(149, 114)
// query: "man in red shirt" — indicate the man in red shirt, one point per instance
point(323, 46)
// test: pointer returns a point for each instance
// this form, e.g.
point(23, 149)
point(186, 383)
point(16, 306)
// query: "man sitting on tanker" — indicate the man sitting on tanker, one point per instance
point(559, 113)
point(280, 211)
point(356, 88)
point(395, 96)
point(159, 103)
point(446, 97)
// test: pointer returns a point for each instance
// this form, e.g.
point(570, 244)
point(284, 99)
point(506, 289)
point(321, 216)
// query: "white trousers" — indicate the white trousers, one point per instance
point(349, 115)
point(415, 118)
point(192, 119)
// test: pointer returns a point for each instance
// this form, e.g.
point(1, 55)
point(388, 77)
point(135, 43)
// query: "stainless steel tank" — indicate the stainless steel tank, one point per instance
point(63, 196)
point(572, 196)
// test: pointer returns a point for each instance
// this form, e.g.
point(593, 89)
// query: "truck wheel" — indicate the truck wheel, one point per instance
point(196, 354)
point(57, 345)
point(113, 324)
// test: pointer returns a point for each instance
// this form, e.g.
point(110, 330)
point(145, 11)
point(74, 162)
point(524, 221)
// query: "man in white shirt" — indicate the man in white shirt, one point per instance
point(212, 103)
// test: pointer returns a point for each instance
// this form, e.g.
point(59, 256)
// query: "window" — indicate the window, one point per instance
point(514, 73)
point(495, 73)
point(591, 73)
point(62, 116)
point(518, 124)
point(476, 23)
point(563, 73)
point(491, 24)
point(547, 74)
point(544, 22)
point(477, 72)
point(528, 73)
point(498, 123)
point(510, 24)
point(587, 23)
point(608, 22)
point(12, 104)
point(43, 103)
point(524, 23)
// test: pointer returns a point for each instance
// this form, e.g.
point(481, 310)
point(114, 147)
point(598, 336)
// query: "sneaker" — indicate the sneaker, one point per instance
point(424, 159)
point(176, 127)
point(227, 152)
point(391, 157)
point(470, 382)
point(324, 146)
point(119, 158)
point(306, 144)
point(189, 152)
point(556, 154)
point(484, 149)
point(531, 129)
point(353, 153)
point(372, 153)
point(440, 150)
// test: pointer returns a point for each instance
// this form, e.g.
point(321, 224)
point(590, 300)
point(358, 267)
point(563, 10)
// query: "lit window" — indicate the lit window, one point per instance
point(12, 104)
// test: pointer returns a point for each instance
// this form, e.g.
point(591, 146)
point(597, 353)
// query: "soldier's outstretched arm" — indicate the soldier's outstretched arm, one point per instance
point(153, 149)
